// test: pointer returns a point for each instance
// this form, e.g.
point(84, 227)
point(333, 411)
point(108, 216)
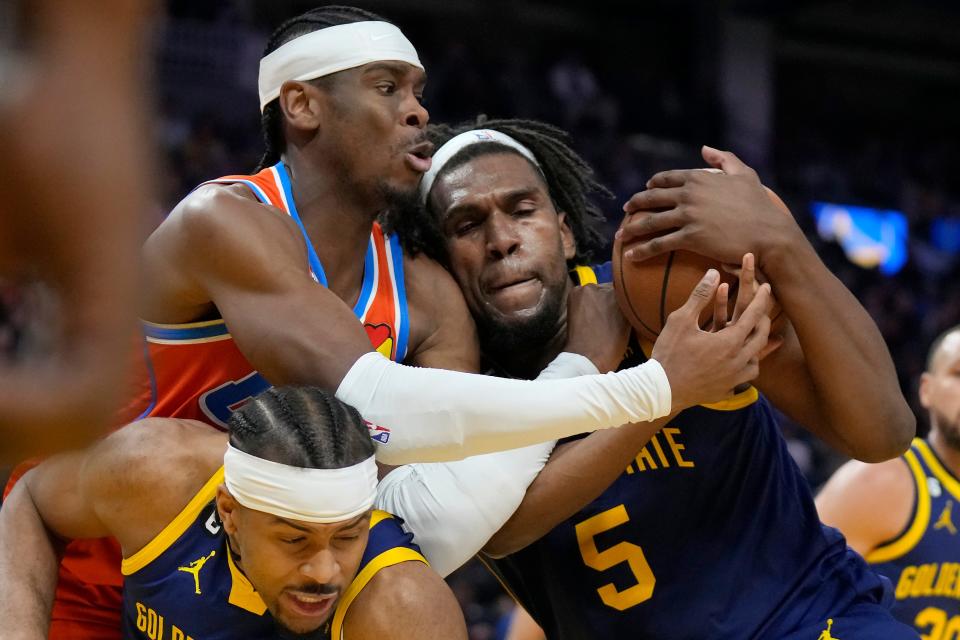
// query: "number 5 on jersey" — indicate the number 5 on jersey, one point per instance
point(620, 552)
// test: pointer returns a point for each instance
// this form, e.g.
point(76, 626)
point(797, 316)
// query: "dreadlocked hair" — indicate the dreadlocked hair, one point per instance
point(302, 427)
point(271, 121)
point(570, 183)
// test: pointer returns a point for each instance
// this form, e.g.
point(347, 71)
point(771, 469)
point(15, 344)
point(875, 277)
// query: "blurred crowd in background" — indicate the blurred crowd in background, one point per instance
point(826, 105)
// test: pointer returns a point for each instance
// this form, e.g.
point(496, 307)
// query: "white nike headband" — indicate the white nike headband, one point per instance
point(308, 495)
point(451, 147)
point(320, 53)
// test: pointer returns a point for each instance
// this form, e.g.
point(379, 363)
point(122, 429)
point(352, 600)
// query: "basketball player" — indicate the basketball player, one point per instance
point(73, 110)
point(291, 257)
point(901, 515)
point(711, 531)
point(275, 537)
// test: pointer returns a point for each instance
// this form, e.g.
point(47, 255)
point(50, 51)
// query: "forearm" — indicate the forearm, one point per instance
point(28, 568)
point(863, 411)
point(454, 508)
point(436, 415)
point(576, 474)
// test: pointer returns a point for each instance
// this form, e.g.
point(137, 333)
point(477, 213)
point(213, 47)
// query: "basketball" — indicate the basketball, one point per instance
point(648, 291)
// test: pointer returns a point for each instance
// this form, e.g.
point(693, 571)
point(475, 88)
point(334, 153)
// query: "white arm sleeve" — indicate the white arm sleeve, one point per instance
point(454, 508)
point(432, 415)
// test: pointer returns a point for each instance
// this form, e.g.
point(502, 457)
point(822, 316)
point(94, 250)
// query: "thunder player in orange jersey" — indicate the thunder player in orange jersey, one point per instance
point(902, 515)
point(259, 280)
point(275, 537)
point(72, 107)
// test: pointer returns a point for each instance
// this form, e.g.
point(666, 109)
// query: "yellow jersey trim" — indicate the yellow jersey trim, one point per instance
point(921, 519)
point(172, 532)
point(242, 593)
point(743, 399)
point(378, 516)
point(586, 275)
point(942, 474)
point(388, 558)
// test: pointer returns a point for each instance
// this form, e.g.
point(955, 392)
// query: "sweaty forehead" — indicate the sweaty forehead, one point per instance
point(482, 178)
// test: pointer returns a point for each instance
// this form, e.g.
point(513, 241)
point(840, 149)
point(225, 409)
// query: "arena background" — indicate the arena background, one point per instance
point(851, 103)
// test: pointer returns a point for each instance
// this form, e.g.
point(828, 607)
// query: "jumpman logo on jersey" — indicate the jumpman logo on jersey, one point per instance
point(825, 634)
point(945, 521)
point(194, 569)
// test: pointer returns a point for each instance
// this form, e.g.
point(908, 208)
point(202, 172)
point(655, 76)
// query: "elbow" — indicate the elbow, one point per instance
point(893, 439)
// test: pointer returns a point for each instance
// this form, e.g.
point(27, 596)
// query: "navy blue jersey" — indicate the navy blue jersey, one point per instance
point(711, 532)
point(923, 561)
point(184, 583)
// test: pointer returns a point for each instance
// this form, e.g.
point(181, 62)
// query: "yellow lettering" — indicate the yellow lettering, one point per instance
point(618, 553)
point(932, 618)
point(923, 582)
point(663, 458)
point(152, 624)
point(906, 579)
point(141, 617)
point(948, 571)
point(676, 447)
point(645, 460)
point(177, 634)
point(953, 629)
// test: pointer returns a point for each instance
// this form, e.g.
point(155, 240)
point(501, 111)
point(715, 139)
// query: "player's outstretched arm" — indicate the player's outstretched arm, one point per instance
point(868, 503)
point(835, 375)
point(407, 600)
point(91, 494)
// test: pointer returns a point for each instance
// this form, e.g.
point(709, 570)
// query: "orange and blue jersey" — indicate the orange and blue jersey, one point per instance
point(185, 582)
point(923, 560)
point(195, 371)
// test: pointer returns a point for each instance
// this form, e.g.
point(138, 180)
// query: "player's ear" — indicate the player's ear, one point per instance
point(566, 236)
point(227, 508)
point(302, 105)
point(924, 391)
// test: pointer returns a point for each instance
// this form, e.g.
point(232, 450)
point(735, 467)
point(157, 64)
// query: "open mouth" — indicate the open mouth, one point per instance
point(420, 157)
point(310, 605)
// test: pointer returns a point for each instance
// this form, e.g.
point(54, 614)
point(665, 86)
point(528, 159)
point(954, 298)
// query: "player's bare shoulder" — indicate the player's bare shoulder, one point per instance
point(439, 318)
point(216, 232)
point(148, 471)
point(406, 600)
point(869, 503)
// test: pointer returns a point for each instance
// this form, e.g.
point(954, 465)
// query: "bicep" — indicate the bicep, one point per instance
point(63, 498)
point(407, 600)
point(253, 269)
point(787, 383)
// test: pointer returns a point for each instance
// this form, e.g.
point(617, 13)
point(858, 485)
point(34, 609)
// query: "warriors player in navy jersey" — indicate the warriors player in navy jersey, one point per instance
point(902, 515)
point(277, 536)
point(710, 530)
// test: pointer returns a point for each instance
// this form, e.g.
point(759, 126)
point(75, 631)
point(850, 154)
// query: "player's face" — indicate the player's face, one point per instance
point(376, 127)
point(300, 569)
point(940, 389)
point(507, 244)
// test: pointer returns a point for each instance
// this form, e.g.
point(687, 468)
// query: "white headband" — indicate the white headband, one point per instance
point(309, 495)
point(320, 53)
point(452, 146)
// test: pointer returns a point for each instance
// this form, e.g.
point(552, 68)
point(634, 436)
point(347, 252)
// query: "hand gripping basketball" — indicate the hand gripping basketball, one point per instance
point(705, 367)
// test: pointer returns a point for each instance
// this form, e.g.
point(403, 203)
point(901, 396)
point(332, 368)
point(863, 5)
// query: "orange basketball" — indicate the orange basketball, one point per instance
point(649, 291)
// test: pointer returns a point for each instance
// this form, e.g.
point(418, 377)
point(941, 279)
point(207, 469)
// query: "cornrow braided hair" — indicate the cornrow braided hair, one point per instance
point(271, 120)
point(303, 427)
point(570, 181)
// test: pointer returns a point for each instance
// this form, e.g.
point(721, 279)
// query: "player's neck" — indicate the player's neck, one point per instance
point(337, 220)
point(945, 451)
point(526, 362)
